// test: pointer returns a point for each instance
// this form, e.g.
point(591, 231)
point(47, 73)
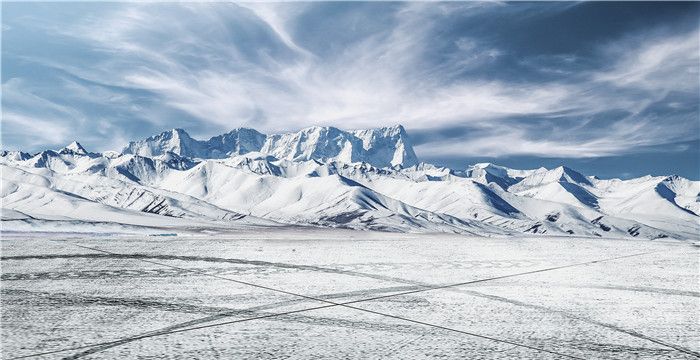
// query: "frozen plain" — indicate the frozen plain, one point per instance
point(173, 297)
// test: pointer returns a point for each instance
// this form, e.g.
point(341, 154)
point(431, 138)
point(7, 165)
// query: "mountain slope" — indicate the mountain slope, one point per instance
point(324, 176)
point(486, 173)
point(329, 200)
point(389, 146)
point(236, 141)
point(176, 141)
point(381, 147)
point(542, 176)
point(42, 193)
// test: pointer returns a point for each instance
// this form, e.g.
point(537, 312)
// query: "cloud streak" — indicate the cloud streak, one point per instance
point(212, 67)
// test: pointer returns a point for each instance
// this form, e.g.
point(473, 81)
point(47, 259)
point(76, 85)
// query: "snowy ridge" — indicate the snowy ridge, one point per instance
point(388, 146)
point(326, 177)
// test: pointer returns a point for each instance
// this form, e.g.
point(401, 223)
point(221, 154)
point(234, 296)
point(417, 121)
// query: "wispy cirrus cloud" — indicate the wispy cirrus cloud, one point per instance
point(649, 92)
point(212, 67)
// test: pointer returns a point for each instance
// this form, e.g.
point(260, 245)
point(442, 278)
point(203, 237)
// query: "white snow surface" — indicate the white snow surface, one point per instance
point(103, 297)
point(327, 177)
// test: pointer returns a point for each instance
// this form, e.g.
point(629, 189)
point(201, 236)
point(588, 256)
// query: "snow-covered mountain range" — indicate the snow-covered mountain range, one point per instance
point(388, 146)
point(325, 177)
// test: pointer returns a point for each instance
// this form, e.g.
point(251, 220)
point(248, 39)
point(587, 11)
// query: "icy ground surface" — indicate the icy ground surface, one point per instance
point(58, 295)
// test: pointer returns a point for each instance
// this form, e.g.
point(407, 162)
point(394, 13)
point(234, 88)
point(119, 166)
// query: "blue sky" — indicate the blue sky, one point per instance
point(611, 89)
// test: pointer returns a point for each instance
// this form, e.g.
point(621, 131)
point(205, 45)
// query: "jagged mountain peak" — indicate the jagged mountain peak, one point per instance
point(14, 155)
point(327, 131)
point(562, 174)
point(177, 141)
point(175, 133)
point(394, 129)
point(238, 141)
point(674, 177)
point(320, 128)
point(243, 130)
point(382, 147)
point(570, 175)
point(178, 131)
point(74, 148)
point(494, 169)
point(322, 143)
point(388, 145)
point(484, 165)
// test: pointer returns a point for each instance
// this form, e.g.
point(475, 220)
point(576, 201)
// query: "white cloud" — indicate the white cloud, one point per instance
point(33, 130)
point(379, 79)
point(623, 138)
point(664, 63)
point(193, 62)
point(32, 122)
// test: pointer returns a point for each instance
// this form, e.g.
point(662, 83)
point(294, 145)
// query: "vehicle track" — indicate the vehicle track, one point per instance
point(264, 264)
point(582, 319)
point(135, 273)
point(515, 302)
point(149, 257)
point(646, 289)
point(347, 304)
point(522, 304)
point(250, 269)
point(258, 310)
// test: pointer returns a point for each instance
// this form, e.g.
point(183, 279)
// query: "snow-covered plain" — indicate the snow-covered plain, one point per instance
point(185, 294)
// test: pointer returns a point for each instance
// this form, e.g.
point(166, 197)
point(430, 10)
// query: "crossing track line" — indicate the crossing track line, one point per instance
point(348, 304)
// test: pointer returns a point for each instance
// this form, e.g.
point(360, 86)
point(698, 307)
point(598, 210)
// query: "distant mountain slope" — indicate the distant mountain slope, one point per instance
point(388, 146)
point(176, 141)
point(455, 193)
point(327, 177)
point(44, 194)
point(486, 173)
point(331, 200)
point(542, 176)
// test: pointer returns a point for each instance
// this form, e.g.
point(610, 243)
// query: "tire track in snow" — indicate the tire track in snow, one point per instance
point(323, 269)
point(139, 256)
point(27, 297)
point(567, 314)
point(646, 289)
point(259, 310)
point(131, 273)
point(612, 327)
